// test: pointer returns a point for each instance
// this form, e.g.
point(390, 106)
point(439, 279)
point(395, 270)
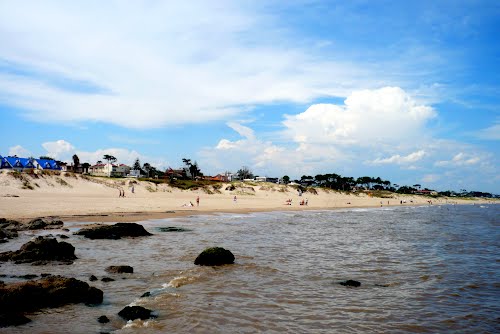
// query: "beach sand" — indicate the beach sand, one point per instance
point(76, 198)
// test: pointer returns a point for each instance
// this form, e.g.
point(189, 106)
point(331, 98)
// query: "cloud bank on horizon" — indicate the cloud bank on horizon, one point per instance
point(406, 92)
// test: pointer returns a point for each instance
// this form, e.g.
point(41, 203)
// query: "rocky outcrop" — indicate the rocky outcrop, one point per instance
point(35, 224)
point(136, 312)
point(53, 291)
point(41, 250)
point(120, 269)
point(214, 256)
point(351, 283)
point(116, 231)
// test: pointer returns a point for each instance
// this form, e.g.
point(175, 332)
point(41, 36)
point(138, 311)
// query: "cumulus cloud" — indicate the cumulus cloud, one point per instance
point(398, 159)
point(64, 151)
point(59, 149)
point(385, 116)
point(19, 151)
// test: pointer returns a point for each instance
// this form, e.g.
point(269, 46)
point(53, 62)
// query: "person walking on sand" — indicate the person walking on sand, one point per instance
point(235, 199)
point(198, 201)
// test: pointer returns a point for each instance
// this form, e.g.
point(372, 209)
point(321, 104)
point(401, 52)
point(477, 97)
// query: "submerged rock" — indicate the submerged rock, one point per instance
point(135, 312)
point(214, 256)
point(350, 282)
point(172, 229)
point(146, 294)
point(115, 231)
point(107, 279)
point(41, 249)
point(53, 291)
point(120, 269)
point(92, 278)
point(103, 319)
point(13, 319)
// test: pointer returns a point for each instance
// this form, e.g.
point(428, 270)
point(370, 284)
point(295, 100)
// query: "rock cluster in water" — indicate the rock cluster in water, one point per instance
point(214, 256)
point(120, 269)
point(53, 291)
point(9, 227)
point(41, 250)
point(116, 231)
point(135, 312)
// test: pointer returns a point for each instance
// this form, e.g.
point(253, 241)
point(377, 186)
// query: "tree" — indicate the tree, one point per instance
point(244, 173)
point(99, 162)
point(46, 157)
point(286, 179)
point(109, 158)
point(194, 170)
point(147, 168)
point(76, 162)
point(137, 164)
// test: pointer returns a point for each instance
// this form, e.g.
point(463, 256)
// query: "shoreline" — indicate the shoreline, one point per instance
point(129, 217)
point(75, 198)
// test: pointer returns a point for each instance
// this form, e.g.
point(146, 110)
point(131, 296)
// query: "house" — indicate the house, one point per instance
point(23, 164)
point(134, 173)
point(175, 173)
point(218, 177)
point(109, 170)
point(46, 164)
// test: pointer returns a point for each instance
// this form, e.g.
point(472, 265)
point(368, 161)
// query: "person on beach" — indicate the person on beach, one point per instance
point(235, 199)
point(198, 201)
point(132, 190)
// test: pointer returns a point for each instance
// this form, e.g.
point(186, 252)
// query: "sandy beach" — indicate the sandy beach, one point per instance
point(77, 198)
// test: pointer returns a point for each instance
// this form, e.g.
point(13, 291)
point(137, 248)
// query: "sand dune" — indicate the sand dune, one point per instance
point(91, 198)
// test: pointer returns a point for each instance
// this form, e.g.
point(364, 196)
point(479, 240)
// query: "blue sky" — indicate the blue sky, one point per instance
point(408, 91)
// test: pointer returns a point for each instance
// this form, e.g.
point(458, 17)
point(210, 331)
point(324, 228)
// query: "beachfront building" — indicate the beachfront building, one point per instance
point(109, 170)
point(26, 164)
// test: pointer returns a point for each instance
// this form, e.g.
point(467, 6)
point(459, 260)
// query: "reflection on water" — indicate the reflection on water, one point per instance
point(423, 270)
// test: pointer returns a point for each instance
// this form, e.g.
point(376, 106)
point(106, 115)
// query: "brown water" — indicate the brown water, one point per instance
point(423, 270)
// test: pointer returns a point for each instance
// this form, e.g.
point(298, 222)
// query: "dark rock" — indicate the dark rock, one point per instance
point(45, 275)
point(92, 278)
point(35, 224)
point(28, 276)
point(13, 319)
point(103, 319)
point(8, 234)
point(65, 229)
point(63, 236)
point(54, 224)
point(146, 294)
point(2, 241)
point(172, 229)
point(350, 283)
point(107, 279)
point(135, 312)
point(120, 269)
point(214, 256)
point(41, 249)
point(52, 291)
point(115, 231)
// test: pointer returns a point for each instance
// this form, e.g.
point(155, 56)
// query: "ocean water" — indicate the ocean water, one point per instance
point(433, 269)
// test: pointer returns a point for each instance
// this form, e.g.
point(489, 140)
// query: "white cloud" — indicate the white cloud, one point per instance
point(490, 133)
point(143, 65)
point(386, 116)
point(19, 151)
point(460, 159)
point(63, 150)
point(59, 149)
point(398, 159)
